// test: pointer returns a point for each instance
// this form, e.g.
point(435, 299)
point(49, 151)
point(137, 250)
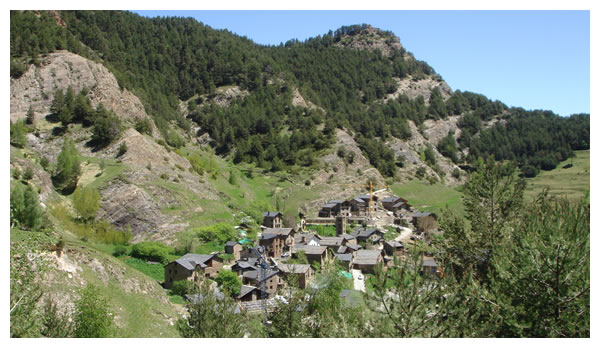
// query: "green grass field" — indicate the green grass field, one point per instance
point(429, 198)
point(574, 182)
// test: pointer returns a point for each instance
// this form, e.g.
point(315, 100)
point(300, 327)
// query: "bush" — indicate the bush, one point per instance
point(229, 282)
point(28, 174)
point(183, 287)
point(86, 202)
point(119, 250)
point(420, 173)
point(220, 232)
point(107, 127)
point(151, 251)
point(456, 173)
point(17, 134)
point(68, 168)
point(122, 149)
point(92, 317)
point(25, 210)
point(529, 171)
point(143, 126)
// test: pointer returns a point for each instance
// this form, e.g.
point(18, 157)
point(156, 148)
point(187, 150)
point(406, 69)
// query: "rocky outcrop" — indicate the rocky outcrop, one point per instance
point(413, 88)
point(371, 39)
point(62, 69)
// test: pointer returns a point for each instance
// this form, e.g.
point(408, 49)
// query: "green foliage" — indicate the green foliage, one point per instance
point(183, 287)
point(29, 117)
point(152, 251)
point(210, 316)
point(122, 149)
point(232, 178)
point(380, 156)
point(437, 107)
point(92, 316)
point(86, 202)
point(154, 271)
point(119, 250)
point(107, 126)
point(25, 210)
point(220, 232)
point(144, 126)
point(25, 289)
point(448, 147)
point(430, 155)
point(17, 134)
point(68, 168)
point(28, 174)
point(542, 272)
point(229, 282)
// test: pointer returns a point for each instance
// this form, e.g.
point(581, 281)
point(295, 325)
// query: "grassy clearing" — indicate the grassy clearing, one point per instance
point(323, 230)
point(154, 271)
point(431, 198)
point(573, 182)
point(112, 169)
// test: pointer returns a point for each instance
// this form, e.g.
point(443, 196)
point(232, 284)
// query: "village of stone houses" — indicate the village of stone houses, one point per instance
point(370, 231)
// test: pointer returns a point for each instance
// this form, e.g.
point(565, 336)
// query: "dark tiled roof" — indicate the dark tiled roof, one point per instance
point(310, 250)
point(364, 197)
point(336, 201)
point(394, 244)
point(245, 290)
point(329, 205)
point(189, 261)
point(347, 236)
point(364, 232)
point(390, 199)
point(231, 243)
point(420, 214)
point(331, 241)
point(278, 231)
point(271, 214)
point(344, 257)
point(268, 236)
point(367, 257)
point(257, 274)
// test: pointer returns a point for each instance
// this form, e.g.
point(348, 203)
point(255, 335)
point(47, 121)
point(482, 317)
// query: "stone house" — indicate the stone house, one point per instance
point(276, 241)
point(367, 260)
point(273, 219)
point(394, 203)
point(393, 248)
point(313, 253)
point(430, 267)
point(249, 293)
point(233, 248)
point(271, 278)
point(371, 235)
point(304, 273)
point(346, 260)
point(192, 267)
point(425, 222)
point(243, 266)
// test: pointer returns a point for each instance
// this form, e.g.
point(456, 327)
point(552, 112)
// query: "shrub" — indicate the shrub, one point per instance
point(143, 126)
point(44, 162)
point(28, 174)
point(151, 251)
point(420, 173)
point(119, 250)
point(17, 134)
point(122, 149)
point(183, 287)
point(529, 171)
point(25, 210)
point(456, 173)
point(86, 202)
point(67, 168)
point(92, 317)
point(220, 232)
point(229, 282)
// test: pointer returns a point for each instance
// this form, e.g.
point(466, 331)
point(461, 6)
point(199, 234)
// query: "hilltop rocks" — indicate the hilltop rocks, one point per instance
point(62, 69)
point(371, 39)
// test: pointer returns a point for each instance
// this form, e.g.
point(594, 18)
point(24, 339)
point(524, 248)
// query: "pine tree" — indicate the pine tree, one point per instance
point(68, 168)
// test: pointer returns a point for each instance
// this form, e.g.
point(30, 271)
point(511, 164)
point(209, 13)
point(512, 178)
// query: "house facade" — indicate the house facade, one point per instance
point(273, 219)
point(233, 248)
point(192, 267)
point(304, 273)
point(367, 260)
point(276, 241)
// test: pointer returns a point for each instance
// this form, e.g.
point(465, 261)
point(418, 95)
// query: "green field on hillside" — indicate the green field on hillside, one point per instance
point(429, 198)
point(573, 182)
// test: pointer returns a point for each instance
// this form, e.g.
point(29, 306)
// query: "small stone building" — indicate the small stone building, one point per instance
point(367, 260)
point(271, 278)
point(313, 253)
point(192, 267)
point(424, 222)
point(393, 248)
point(276, 241)
point(273, 219)
point(304, 273)
point(233, 248)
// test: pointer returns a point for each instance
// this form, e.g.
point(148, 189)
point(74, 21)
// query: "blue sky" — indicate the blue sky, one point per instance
point(532, 59)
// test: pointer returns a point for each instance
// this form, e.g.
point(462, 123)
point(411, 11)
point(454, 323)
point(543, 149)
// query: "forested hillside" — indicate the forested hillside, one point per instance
point(165, 60)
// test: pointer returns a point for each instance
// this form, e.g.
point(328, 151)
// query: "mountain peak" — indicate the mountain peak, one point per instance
point(367, 37)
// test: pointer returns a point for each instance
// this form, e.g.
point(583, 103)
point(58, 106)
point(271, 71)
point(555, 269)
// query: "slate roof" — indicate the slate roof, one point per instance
point(245, 290)
point(364, 197)
point(244, 265)
point(189, 261)
point(390, 199)
point(231, 243)
point(310, 250)
point(336, 201)
point(294, 268)
point(348, 236)
point(364, 232)
point(266, 236)
point(278, 231)
point(344, 257)
point(331, 241)
point(271, 214)
point(398, 205)
point(256, 274)
point(366, 257)
point(329, 205)
point(394, 244)
point(421, 214)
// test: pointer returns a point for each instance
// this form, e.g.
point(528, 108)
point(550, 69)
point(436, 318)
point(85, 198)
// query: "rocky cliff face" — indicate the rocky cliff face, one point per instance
point(62, 69)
